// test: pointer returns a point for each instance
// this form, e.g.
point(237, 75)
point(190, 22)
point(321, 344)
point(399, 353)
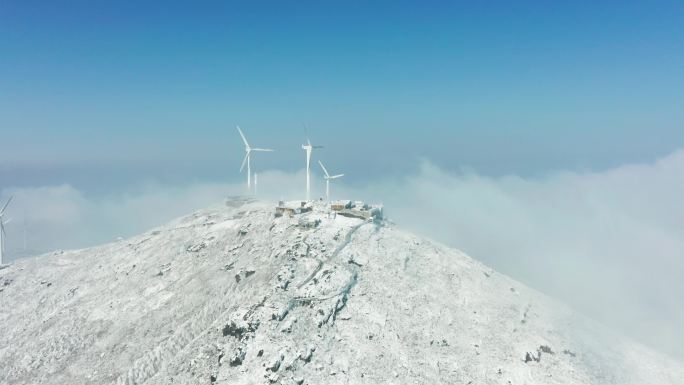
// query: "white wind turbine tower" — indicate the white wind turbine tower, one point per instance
point(327, 180)
point(3, 222)
point(248, 156)
point(25, 231)
point(256, 180)
point(308, 147)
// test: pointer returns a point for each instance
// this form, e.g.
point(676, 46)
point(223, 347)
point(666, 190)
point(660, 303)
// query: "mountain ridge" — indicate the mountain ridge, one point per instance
point(232, 294)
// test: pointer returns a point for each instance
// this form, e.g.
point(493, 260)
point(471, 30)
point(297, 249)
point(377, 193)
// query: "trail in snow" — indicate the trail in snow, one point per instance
point(347, 239)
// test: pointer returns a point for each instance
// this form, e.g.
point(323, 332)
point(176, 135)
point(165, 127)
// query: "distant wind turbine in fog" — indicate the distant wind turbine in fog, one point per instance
point(25, 230)
point(248, 156)
point(3, 222)
point(308, 147)
point(256, 181)
point(327, 180)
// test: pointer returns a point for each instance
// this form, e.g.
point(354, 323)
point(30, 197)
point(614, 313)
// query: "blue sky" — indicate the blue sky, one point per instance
point(153, 91)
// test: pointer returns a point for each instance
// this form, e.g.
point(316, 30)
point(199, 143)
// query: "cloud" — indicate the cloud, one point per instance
point(61, 217)
point(610, 244)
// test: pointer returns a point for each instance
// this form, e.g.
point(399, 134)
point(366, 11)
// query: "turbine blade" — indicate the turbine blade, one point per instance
point(243, 137)
point(244, 161)
point(324, 170)
point(6, 204)
point(306, 132)
point(263, 149)
point(336, 176)
point(7, 221)
point(317, 146)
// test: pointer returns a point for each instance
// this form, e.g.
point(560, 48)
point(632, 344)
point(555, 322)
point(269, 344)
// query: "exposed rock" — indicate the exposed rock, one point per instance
point(536, 356)
point(280, 315)
point(239, 331)
point(307, 354)
point(275, 363)
point(529, 357)
point(545, 349)
point(196, 248)
point(243, 230)
point(237, 358)
point(229, 266)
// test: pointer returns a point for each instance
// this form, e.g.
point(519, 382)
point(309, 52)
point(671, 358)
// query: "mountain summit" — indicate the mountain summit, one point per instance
point(236, 295)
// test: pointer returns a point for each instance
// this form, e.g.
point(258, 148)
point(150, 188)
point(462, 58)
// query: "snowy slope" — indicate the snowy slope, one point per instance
point(232, 295)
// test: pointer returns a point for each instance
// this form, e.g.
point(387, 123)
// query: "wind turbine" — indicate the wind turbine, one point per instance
point(327, 180)
point(3, 222)
point(25, 231)
point(308, 147)
point(256, 180)
point(248, 156)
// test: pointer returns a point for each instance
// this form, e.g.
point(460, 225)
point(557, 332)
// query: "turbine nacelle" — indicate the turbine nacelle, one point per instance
point(308, 146)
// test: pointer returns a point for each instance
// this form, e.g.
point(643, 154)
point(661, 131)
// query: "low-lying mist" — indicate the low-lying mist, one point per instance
point(610, 244)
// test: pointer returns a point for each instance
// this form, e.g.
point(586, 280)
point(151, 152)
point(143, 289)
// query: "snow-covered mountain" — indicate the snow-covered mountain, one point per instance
point(233, 295)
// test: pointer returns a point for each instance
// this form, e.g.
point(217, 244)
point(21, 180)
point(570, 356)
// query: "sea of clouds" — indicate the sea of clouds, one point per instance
point(610, 243)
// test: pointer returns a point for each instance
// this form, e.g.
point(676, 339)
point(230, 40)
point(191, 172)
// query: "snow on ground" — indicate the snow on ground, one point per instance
point(232, 295)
